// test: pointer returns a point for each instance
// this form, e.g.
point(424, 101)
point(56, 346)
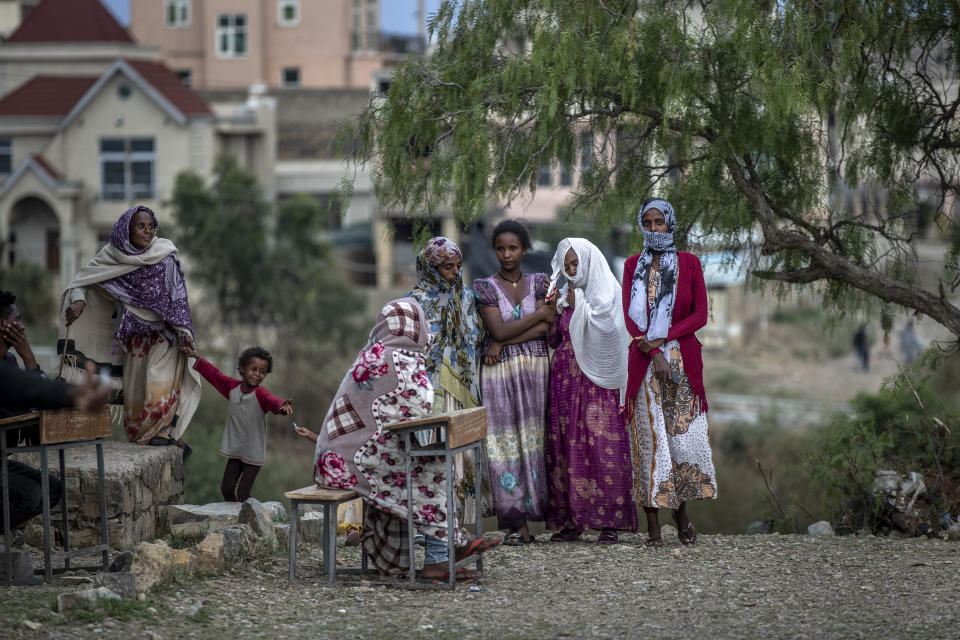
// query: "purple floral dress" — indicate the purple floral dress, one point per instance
point(587, 448)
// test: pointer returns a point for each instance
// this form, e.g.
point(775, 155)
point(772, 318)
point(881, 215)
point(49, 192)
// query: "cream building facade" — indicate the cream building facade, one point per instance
point(228, 44)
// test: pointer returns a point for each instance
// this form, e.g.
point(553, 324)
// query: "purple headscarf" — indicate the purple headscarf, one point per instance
point(159, 287)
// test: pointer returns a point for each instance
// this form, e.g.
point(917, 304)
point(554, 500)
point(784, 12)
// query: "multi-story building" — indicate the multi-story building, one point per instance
point(95, 123)
point(226, 44)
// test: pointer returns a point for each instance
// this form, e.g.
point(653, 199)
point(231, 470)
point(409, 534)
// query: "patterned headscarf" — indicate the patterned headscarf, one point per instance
point(159, 287)
point(661, 311)
point(451, 312)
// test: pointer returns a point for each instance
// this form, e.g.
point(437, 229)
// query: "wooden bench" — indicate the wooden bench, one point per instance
point(330, 499)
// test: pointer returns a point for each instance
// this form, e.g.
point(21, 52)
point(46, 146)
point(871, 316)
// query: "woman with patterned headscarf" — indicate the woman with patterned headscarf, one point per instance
point(587, 451)
point(127, 310)
point(387, 383)
point(453, 361)
point(665, 303)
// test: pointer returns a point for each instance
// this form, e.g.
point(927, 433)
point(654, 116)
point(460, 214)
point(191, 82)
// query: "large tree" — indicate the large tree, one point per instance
point(797, 132)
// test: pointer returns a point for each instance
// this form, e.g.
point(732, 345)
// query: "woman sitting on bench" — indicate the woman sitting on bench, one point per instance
point(388, 382)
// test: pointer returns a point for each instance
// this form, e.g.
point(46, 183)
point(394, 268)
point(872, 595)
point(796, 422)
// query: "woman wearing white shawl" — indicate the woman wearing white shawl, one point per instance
point(587, 449)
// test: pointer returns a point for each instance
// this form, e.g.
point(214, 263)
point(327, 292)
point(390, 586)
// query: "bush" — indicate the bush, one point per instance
point(902, 428)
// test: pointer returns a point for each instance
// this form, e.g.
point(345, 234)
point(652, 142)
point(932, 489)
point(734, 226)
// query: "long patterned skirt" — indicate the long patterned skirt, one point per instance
point(670, 441)
point(587, 452)
point(515, 394)
point(152, 374)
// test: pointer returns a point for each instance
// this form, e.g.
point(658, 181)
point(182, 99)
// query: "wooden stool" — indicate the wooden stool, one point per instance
point(329, 498)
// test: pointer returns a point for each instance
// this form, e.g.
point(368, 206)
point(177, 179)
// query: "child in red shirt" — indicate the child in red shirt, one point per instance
point(244, 441)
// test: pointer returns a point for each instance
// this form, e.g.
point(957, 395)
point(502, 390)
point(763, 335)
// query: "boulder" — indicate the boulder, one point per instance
point(121, 562)
point(277, 511)
point(86, 599)
point(21, 565)
point(239, 542)
point(953, 532)
point(209, 553)
point(310, 526)
point(821, 528)
point(183, 562)
point(123, 584)
point(282, 531)
point(759, 527)
point(257, 517)
point(191, 520)
point(151, 564)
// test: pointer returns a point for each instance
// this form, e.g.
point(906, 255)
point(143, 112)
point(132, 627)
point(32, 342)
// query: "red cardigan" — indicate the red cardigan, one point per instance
point(689, 314)
point(223, 383)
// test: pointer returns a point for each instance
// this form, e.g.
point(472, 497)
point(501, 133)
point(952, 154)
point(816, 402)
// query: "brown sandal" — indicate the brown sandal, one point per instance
point(654, 543)
point(688, 536)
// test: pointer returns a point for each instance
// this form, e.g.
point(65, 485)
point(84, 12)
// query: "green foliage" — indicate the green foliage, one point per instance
point(894, 429)
point(810, 123)
point(33, 287)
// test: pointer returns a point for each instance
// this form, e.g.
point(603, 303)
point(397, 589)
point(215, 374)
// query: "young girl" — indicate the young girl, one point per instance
point(665, 302)
point(514, 382)
point(587, 449)
point(453, 360)
point(244, 441)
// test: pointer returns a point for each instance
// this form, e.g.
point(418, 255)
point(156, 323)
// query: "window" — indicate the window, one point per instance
point(291, 76)
point(288, 13)
point(185, 76)
point(366, 25)
point(127, 168)
point(178, 13)
point(544, 178)
point(6, 155)
point(231, 35)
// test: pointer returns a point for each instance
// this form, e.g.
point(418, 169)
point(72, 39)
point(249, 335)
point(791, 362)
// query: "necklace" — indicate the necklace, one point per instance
point(514, 283)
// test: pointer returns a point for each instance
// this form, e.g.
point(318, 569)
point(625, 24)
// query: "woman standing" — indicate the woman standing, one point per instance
point(514, 382)
point(665, 300)
point(587, 449)
point(453, 360)
point(128, 312)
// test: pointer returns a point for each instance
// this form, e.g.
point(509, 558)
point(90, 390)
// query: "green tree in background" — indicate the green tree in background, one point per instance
point(796, 132)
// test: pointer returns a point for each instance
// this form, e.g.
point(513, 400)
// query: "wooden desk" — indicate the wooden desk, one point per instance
point(457, 432)
point(41, 432)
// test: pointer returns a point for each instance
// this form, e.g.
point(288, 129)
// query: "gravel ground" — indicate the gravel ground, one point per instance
point(724, 587)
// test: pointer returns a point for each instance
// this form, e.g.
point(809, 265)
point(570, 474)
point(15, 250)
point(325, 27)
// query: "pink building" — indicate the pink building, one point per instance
point(222, 44)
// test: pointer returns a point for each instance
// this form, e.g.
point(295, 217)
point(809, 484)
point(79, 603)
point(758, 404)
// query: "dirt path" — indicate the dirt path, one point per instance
point(725, 587)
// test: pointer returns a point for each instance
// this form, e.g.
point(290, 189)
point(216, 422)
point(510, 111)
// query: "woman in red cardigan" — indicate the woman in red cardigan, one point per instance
point(665, 302)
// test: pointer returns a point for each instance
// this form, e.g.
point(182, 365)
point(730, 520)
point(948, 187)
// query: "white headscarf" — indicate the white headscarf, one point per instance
point(597, 329)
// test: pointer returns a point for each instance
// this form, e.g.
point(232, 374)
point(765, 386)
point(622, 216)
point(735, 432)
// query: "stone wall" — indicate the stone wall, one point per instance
point(140, 482)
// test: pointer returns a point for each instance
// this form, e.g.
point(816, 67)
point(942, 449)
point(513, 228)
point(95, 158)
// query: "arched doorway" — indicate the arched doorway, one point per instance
point(34, 235)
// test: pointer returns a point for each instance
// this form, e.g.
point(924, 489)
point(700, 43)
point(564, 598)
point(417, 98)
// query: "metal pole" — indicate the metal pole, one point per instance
point(5, 476)
point(104, 536)
point(408, 454)
point(331, 519)
point(293, 539)
point(478, 461)
point(451, 510)
point(65, 525)
point(45, 501)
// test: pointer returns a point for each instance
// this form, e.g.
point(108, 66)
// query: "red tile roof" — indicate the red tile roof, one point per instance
point(70, 21)
point(40, 160)
point(171, 87)
point(46, 96)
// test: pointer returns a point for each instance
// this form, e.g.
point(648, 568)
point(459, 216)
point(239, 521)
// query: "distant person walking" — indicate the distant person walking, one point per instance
point(910, 344)
point(861, 344)
point(665, 303)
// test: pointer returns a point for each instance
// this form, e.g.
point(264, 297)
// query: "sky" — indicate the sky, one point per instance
point(396, 16)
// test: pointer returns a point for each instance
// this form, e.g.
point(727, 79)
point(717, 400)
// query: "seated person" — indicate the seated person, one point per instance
point(25, 495)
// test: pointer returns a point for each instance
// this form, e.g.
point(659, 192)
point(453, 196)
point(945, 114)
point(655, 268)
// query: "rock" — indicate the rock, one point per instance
point(183, 562)
point(76, 580)
point(104, 593)
point(257, 517)
point(759, 527)
point(33, 533)
point(953, 533)
point(281, 530)
point(310, 526)
point(821, 528)
point(239, 542)
point(123, 584)
point(209, 553)
point(30, 624)
point(71, 600)
point(668, 531)
point(277, 511)
point(194, 609)
point(151, 565)
point(121, 562)
point(191, 520)
point(21, 565)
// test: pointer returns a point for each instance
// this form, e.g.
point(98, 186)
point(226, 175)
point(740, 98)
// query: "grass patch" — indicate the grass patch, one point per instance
point(177, 541)
point(202, 616)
